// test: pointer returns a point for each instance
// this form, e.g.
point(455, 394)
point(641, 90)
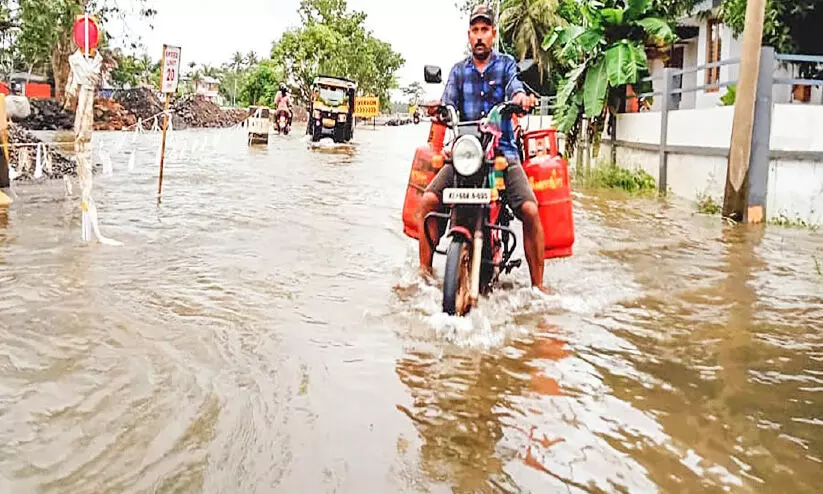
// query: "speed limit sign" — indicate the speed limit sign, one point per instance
point(170, 76)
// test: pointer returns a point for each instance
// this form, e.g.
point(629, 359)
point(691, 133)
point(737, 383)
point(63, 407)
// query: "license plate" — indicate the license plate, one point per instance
point(467, 196)
point(328, 122)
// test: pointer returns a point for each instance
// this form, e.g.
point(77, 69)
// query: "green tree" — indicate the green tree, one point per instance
point(607, 54)
point(334, 41)
point(526, 23)
point(238, 61)
point(262, 84)
point(791, 26)
point(231, 85)
point(251, 59)
point(210, 71)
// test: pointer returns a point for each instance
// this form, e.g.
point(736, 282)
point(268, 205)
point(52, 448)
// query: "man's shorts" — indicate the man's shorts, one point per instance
point(518, 190)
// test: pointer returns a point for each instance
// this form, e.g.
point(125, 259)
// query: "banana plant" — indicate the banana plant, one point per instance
point(605, 54)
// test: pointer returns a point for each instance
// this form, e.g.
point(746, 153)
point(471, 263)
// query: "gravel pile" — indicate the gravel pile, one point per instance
point(197, 111)
point(61, 165)
point(47, 114)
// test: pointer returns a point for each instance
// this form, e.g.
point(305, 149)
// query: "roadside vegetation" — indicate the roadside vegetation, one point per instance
point(706, 204)
point(607, 175)
point(785, 221)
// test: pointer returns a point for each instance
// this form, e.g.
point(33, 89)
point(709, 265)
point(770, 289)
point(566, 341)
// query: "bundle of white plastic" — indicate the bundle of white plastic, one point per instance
point(84, 76)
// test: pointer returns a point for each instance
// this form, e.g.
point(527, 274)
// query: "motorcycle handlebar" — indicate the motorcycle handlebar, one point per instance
point(510, 108)
point(448, 114)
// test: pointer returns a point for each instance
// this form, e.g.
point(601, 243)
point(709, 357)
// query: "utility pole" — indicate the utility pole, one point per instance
point(736, 197)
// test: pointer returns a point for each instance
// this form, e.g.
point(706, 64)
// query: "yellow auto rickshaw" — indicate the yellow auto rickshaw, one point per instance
point(332, 109)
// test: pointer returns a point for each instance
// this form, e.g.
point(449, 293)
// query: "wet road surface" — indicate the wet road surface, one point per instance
point(264, 330)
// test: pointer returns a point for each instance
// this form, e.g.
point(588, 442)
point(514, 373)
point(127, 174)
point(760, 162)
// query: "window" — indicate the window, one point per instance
point(713, 45)
point(333, 96)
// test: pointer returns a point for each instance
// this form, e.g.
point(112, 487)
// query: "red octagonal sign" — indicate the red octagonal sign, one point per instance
point(80, 33)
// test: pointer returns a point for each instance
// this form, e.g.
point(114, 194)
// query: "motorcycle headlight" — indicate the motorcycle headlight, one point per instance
point(467, 155)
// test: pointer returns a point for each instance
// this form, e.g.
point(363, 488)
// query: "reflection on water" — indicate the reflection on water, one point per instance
point(264, 330)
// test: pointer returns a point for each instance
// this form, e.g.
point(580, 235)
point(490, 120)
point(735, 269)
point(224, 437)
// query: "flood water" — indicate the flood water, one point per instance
point(264, 330)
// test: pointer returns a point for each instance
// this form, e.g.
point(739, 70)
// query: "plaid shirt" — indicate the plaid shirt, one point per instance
point(479, 92)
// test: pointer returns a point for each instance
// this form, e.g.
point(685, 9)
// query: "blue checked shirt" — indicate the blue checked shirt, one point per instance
point(474, 94)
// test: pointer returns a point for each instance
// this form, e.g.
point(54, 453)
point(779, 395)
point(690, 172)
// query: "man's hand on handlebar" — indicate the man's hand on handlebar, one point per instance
point(527, 101)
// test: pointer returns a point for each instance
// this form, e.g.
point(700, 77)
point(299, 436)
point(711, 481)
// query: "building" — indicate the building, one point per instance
point(705, 39)
point(31, 85)
point(209, 88)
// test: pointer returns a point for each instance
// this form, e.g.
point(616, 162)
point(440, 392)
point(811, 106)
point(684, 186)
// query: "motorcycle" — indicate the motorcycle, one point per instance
point(481, 244)
point(282, 125)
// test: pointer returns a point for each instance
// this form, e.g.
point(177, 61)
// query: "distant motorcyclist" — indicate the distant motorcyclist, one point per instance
point(282, 102)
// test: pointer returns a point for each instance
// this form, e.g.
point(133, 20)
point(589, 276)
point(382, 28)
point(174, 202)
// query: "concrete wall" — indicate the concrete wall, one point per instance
point(795, 186)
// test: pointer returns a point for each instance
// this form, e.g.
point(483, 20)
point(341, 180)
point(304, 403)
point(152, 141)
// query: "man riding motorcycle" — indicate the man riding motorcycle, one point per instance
point(474, 87)
point(282, 103)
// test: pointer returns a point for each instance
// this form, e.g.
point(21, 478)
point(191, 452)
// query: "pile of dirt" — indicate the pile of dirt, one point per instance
point(60, 164)
point(47, 114)
point(144, 104)
point(110, 115)
point(237, 115)
point(197, 111)
point(127, 106)
point(140, 102)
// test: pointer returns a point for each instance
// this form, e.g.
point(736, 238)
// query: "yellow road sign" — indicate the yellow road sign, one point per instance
point(366, 106)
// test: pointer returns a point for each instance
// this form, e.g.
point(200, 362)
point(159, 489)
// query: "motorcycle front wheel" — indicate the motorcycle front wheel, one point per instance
point(456, 289)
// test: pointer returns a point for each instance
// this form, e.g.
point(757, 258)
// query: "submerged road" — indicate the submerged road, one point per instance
point(264, 330)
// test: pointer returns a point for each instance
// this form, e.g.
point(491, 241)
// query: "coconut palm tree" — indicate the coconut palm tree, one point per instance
point(209, 71)
point(526, 22)
point(237, 61)
point(251, 58)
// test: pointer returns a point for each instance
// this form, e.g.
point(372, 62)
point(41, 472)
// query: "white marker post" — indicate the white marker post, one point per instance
point(84, 77)
point(170, 76)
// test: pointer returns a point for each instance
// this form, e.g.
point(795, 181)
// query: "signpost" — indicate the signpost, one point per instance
point(170, 77)
point(367, 107)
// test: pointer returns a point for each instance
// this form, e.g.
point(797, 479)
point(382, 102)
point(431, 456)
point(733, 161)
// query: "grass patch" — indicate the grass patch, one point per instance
point(797, 222)
point(612, 176)
point(707, 205)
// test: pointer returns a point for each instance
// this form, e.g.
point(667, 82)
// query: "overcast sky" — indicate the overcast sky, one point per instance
point(210, 31)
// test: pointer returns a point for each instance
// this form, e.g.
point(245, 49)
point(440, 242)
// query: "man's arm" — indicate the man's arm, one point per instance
point(451, 95)
point(515, 84)
point(517, 91)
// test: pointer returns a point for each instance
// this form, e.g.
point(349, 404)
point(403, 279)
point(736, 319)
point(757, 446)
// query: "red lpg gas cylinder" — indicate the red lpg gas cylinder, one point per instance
point(427, 162)
point(548, 176)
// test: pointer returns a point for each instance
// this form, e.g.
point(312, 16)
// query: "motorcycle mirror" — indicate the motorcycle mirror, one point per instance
point(432, 74)
point(525, 64)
